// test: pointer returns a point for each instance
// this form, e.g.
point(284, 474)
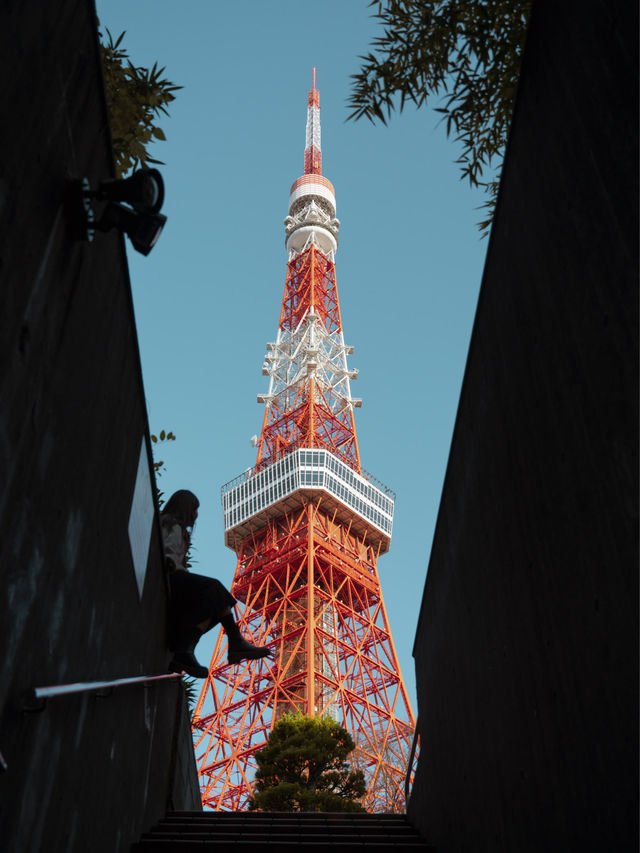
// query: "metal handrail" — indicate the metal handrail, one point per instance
point(407, 778)
point(91, 686)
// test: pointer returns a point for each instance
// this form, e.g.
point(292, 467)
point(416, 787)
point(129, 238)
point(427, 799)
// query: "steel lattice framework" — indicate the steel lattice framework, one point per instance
point(307, 524)
point(309, 400)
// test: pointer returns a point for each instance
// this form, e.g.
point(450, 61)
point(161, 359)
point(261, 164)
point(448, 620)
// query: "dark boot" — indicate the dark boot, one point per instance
point(239, 648)
point(186, 662)
point(184, 659)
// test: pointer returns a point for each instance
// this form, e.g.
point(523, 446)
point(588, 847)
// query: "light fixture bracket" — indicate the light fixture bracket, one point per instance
point(131, 205)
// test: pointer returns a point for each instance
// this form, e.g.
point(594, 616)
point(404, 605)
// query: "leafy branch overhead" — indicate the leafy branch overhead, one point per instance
point(468, 52)
point(136, 98)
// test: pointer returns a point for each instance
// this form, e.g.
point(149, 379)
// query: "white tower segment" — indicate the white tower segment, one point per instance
point(310, 350)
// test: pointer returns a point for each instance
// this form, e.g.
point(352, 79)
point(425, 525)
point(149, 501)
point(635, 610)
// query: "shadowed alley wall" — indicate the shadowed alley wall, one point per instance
point(526, 651)
point(88, 772)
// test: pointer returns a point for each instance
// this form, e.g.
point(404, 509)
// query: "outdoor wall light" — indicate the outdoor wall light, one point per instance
point(143, 229)
point(138, 217)
point(144, 190)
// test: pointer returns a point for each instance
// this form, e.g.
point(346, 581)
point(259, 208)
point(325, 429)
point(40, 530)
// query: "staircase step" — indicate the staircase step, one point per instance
point(157, 845)
point(302, 832)
point(294, 827)
point(263, 818)
point(290, 834)
point(346, 837)
point(339, 817)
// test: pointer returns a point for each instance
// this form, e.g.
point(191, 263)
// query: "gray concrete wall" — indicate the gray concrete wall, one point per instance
point(526, 650)
point(87, 772)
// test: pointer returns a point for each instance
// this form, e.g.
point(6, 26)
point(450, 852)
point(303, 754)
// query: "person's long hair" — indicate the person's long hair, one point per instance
point(182, 506)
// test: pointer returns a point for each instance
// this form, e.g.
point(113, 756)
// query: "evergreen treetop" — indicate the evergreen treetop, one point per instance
point(303, 768)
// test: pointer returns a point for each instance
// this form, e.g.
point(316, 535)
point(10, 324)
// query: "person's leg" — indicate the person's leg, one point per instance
point(239, 648)
point(208, 623)
point(199, 593)
point(183, 656)
point(192, 596)
point(183, 633)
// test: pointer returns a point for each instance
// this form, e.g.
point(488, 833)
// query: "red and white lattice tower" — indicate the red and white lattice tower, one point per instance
point(307, 524)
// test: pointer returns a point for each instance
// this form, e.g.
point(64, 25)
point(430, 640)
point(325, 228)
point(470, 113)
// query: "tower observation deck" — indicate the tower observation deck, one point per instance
point(307, 524)
point(297, 477)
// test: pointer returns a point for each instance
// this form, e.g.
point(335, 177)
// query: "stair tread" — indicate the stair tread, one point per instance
point(306, 832)
point(301, 816)
point(281, 827)
point(289, 827)
point(298, 817)
point(263, 816)
point(272, 836)
point(150, 845)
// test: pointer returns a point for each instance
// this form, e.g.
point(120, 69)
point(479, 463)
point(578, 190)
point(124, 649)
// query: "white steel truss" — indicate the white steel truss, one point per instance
point(309, 351)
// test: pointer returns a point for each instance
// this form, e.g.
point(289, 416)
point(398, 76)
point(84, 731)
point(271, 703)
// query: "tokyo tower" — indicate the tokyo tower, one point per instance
point(308, 524)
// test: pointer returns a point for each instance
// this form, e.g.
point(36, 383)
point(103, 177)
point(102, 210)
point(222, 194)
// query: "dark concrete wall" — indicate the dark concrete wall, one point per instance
point(87, 773)
point(526, 651)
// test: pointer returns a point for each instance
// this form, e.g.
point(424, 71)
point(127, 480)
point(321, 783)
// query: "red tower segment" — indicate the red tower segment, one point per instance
point(307, 525)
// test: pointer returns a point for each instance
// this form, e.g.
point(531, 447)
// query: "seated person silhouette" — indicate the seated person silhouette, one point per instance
point(197, 602)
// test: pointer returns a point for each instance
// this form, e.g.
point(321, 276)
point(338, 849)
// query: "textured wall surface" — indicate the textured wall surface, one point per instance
point(87, 772)
point(527, 646)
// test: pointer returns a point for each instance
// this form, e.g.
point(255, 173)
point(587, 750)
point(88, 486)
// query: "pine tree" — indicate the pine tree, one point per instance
point(303, 768)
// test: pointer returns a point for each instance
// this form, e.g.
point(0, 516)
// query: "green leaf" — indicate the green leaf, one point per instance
point(135, 95)
point(468, 51)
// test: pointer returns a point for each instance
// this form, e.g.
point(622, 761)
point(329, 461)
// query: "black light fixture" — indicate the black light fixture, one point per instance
point(139, 217)
point(143, 229)
point(144, 190)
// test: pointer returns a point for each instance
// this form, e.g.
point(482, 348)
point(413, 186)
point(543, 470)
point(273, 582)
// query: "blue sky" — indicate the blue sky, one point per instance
point(208, 297)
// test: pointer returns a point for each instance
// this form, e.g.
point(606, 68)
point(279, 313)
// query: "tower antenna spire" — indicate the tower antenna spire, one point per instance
point(312, 148)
